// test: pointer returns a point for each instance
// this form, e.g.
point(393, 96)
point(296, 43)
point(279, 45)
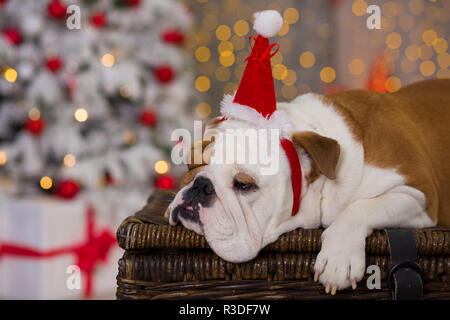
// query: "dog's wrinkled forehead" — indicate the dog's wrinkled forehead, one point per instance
point(200, 152)
point(199, 156)
point(233, 142)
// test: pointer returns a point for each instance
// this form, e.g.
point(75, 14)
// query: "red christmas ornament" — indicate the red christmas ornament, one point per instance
point(133, 3)
point(53, 64)
point(173, 36)
point(12, 36)
point(165, 182)
point(98, 19)
point(2, 2)
point(35, 126)
point(56, 9)
point(148, 118)
point(164, 73)
point(67, 189)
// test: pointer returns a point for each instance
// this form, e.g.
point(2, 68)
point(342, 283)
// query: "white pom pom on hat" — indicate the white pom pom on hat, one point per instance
point(268, 23)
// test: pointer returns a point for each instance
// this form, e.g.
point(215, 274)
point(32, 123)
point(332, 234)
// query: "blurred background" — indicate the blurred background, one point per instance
point(91, 90)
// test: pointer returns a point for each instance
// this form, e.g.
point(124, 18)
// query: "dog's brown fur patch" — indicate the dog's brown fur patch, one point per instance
point(244, 178)
point(409, 131)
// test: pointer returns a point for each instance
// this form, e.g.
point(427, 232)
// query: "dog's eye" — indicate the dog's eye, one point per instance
point(244, 186)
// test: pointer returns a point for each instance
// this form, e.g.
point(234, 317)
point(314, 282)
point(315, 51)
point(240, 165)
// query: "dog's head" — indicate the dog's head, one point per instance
point(235, 205)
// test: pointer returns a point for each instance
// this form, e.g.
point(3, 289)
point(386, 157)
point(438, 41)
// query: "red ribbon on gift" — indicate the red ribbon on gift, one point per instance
point(88, 254)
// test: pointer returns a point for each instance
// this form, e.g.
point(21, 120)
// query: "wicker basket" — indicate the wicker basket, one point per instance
point(165, 262)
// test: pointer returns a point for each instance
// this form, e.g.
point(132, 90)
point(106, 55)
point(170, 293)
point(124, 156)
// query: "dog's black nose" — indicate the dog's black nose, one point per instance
point(201, 194)
point(204, 185)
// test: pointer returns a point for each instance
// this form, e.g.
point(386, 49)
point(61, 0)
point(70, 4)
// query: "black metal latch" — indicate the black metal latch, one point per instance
point(405, 279)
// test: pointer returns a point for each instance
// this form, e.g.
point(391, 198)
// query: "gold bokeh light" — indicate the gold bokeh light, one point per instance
point(223, 32)
point(241, 28)
point(34, 114)
point(356, 67)
point(291, 78)
point(69, 160)
point(327, 74)
point(81, 115)
point(3, 157)
point(429, 36)
point(290, 15)
point(279, 71)
point(427, 68)
point(227, 58)
point(359, 8)
point(203, 110)
point(202, 83)
point(202, 54)
point(392, 84)
point(108, 60)
point(225, 46)
point(46, 182)
point(440, 45)
point(10, 75)
point(161, 167)
point(307, 59)
point(394, 40)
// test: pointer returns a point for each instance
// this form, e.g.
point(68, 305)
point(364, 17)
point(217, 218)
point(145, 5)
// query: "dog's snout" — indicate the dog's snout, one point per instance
point(201, 194)
point(204, 185)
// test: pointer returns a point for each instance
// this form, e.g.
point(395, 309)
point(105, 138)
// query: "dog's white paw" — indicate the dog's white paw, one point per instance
point(341, 260)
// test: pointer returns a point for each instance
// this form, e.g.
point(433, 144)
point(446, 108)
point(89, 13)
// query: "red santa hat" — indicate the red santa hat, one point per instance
point(254, 100)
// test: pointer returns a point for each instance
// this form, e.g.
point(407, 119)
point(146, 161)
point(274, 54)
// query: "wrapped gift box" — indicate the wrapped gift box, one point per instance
point(42, 237)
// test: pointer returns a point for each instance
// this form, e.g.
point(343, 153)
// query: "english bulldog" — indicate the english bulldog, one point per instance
point(369, 161)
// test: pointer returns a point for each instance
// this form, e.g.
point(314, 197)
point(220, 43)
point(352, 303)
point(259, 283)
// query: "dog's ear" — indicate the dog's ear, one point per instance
point(323, 151)
point(212, 123)
point(197, 152)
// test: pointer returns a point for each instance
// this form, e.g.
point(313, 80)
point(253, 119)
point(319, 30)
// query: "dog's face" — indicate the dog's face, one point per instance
point(236, 206)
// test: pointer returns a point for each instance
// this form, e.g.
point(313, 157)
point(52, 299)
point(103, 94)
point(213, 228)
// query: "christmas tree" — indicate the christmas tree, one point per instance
point(94, 104)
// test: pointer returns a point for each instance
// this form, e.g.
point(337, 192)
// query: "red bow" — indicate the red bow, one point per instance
point(266, 54)
point(94, 250)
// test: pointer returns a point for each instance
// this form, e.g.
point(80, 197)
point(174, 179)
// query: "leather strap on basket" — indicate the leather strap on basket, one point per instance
point(405, 275)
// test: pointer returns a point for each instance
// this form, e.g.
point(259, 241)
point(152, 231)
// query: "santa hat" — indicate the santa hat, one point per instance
point(254, 100)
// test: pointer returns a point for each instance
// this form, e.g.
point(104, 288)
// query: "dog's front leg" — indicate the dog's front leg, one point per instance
point(341, 261)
